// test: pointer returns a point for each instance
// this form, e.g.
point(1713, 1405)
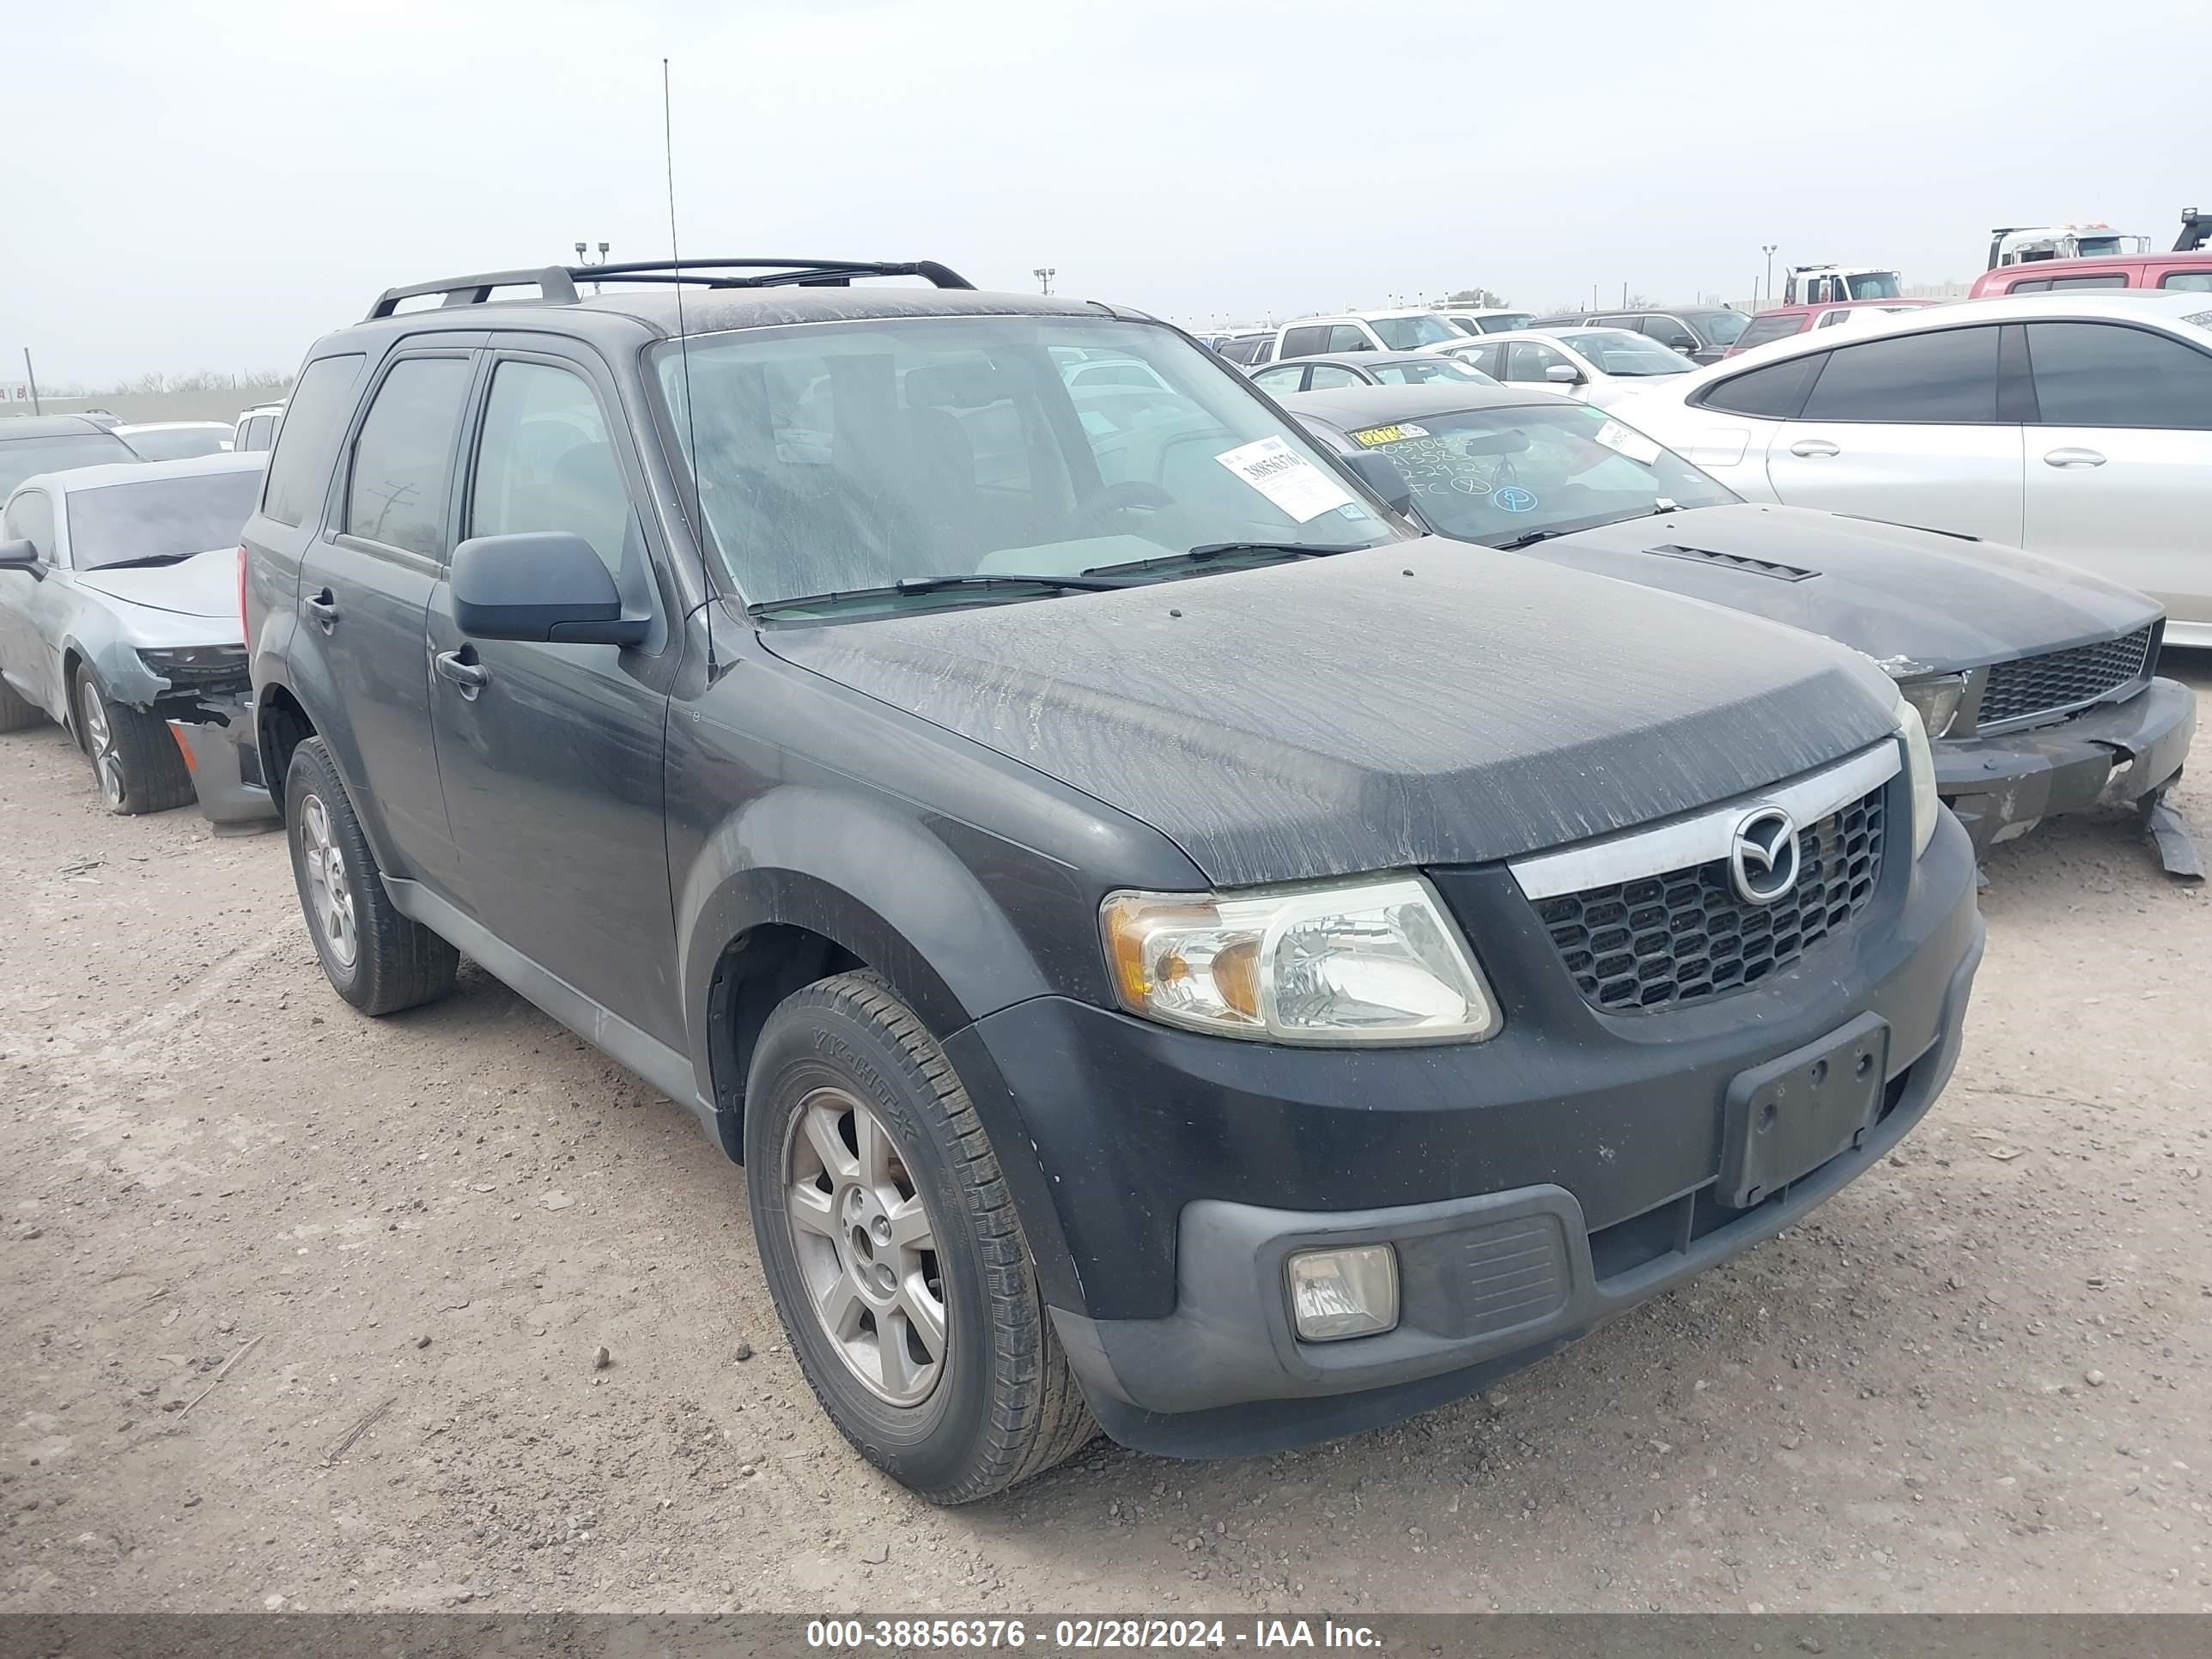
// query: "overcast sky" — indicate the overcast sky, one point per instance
point(211, 185)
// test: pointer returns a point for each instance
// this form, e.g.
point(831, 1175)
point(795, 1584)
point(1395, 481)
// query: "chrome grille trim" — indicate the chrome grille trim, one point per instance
point(1706, 835)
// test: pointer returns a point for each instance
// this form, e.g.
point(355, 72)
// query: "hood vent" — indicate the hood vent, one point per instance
point(1781, 572)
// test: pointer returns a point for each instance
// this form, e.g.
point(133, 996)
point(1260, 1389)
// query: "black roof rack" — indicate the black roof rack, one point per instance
point(557, 284)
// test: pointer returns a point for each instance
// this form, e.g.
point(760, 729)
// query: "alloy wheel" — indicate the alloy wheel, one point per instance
point(100, 740)
point(865, 1247)
point(330, 887)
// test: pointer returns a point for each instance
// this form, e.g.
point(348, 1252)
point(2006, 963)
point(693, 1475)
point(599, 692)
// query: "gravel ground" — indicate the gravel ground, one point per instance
point(302, 1310)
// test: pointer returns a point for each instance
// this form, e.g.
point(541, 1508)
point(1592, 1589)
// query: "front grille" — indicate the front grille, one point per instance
point(2062, 679)
point(1659, 941)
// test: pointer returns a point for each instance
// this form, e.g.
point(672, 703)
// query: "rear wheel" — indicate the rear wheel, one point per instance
point(135, 758)
point(374, 957)
point(892, 1250)
point(17, 714)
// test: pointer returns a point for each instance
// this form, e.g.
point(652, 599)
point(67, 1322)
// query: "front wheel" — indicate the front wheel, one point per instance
point(892, 1251)
point(135, 758)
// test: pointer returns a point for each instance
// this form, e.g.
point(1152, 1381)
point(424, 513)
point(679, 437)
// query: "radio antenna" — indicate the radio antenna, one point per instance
point(694, 512)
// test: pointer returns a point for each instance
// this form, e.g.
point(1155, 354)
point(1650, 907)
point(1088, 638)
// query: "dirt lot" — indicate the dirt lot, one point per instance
point(1976, 1381)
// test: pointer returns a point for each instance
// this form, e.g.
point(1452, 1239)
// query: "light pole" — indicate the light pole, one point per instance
point(1044, 274)
point(1768, 248)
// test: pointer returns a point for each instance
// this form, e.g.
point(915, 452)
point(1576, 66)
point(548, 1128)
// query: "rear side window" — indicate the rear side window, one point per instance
point(2033, 285)
point(2102, 279)
point(396, 493)
point(300, 467)
point(1288, 377)
point(1947, 376)
point(1304, 342)
point(2104, 375)
point(2198, 280)
point(1775, 393)
point(1763, 329)
point(545, 463)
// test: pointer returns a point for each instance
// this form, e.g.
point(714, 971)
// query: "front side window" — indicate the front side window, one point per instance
point(1327, 377)
point(1616, 351)
point(1670, 332)
point(300, 466)
point(1495, 475)
point(1526, 361)
point(2097, 279)
point(1725, 328)
point(2198, 280)
point(1506, 322)
point(1426, 371)
point(855, 456)
point(30, 518)
point(2104, 375)
point(1412, 333)
point(159, 520)
point(1284, 377)
point(1349, 336)
point(396, 492)
point(24, 457)
point(1940, 375)
point(545, 462)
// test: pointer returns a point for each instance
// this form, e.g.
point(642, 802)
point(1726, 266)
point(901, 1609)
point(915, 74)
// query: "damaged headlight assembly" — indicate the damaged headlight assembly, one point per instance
point(1364, 962)
point(1920, 771)
point(1936, 697)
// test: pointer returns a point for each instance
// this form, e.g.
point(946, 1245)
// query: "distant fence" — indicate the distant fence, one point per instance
point(221, 403)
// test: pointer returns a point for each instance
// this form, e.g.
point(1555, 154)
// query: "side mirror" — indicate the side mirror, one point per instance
point(1687, 348)
point(1563, 375)
point(22, 555)
point(547, 585)
point(1380, 474)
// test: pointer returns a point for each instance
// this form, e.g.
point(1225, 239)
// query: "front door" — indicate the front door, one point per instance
point(552, 754)
point(1906, 428)
point(2119, 462)
point(30, 608)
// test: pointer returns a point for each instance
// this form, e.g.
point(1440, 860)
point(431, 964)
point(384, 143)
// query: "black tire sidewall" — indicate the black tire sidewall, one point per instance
point(808, 1042)
point(312, 774)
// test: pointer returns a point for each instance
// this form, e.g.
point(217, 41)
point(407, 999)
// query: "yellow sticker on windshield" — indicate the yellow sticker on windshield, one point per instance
point(1389, 434)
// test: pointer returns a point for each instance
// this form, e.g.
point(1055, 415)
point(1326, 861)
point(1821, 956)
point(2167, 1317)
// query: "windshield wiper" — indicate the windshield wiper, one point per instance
point(1204, 552)
point(1535, 536)
point(906, 585)
point(148, 563)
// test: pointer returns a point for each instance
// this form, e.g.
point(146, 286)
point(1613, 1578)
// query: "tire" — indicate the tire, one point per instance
point(17, 714)
point(375, 957)
point(135, 762)
point(1000, 1404)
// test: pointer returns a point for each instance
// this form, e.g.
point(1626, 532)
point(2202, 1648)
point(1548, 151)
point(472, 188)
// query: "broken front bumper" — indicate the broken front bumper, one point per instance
point(226, 771)
point(2115, 755)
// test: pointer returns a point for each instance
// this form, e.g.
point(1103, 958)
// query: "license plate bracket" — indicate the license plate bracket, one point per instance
point(1786, 1118)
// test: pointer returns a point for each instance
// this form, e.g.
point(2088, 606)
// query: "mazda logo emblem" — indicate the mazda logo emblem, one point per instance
point(1763, 857)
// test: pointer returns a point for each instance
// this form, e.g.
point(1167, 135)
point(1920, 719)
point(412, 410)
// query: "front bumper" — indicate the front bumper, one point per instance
point(2113, 755)
point(1536, 1184)
point(226, 767)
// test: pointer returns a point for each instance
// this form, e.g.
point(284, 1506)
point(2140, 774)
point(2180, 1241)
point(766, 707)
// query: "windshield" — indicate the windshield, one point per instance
point(850, 456)
point(160, 518)
point(1875, 285)
point(1725, 328)
point(178, 443)
point(1412, 333)
point(1492, 475)
point(20, 457)
point(1617, 351)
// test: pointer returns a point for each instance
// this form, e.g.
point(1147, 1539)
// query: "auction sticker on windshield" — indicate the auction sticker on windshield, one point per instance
point(1389, 434)
point(1286, 478)
point(1634, 445)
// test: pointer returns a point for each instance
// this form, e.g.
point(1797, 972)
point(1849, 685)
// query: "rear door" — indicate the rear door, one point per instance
point(1906, 428)
point(2119, 458)
point(552, 754)
point(359, 654)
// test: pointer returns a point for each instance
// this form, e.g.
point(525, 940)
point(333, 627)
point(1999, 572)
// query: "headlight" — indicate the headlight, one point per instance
point(1937, 698)
point(1368, 962)
point(1920, 769)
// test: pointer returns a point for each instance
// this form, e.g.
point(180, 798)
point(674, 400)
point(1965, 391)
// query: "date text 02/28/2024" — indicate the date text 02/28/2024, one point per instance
point(1084, 1635)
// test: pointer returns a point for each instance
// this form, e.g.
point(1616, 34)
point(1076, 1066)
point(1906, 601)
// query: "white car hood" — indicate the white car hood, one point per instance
point(206, 585)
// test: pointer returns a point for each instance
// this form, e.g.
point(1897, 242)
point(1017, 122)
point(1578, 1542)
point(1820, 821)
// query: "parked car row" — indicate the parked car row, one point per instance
point(1222, 921)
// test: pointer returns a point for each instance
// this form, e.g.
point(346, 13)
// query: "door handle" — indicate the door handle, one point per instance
point(2073, 457)
point(1811, 447)
point(471, 677)
point(324, 608)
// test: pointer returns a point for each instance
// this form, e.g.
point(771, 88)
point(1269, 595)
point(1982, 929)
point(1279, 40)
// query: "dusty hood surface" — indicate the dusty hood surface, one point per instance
point(206, 585)
point(1339, 715)
point(1887, 590)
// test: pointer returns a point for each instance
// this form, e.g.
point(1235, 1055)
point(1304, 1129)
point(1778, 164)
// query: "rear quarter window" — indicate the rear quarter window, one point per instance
point(1775, 392)
point(307, 443)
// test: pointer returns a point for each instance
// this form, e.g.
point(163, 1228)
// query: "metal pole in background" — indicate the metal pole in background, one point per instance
point(1768, 248)
point(31, 374)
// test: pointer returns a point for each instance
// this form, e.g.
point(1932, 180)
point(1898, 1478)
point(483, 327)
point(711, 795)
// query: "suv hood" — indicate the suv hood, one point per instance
point(206, 585)
point(1421, 703)
point(1900, 595)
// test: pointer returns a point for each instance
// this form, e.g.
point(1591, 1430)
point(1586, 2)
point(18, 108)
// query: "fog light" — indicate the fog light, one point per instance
point(1335, 1294)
